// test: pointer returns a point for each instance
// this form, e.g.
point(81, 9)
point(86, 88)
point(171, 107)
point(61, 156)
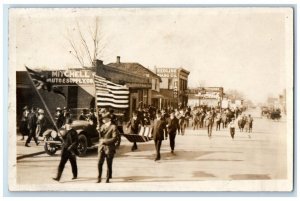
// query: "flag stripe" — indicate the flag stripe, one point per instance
point(110, 94)
point(117, 97)
point(111, 100)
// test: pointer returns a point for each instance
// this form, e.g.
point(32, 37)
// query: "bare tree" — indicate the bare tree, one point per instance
point(86, 46)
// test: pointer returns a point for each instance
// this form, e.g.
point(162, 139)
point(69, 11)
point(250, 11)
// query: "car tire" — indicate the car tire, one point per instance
point(50, 149)
point(82, 145)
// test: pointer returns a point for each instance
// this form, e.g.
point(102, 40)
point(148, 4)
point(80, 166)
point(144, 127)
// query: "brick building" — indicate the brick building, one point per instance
point(79, 89)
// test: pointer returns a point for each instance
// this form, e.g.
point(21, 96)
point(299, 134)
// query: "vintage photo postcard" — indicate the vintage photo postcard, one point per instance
point(151, 99)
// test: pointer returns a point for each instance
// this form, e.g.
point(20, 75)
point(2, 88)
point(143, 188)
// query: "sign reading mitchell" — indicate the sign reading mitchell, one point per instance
point(71, 77)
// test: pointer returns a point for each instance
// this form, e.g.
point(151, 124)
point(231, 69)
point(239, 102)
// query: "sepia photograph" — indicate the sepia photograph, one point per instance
point(151, 99)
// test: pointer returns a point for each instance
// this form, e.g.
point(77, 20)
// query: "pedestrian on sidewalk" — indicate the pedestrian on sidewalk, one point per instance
point(232, 125)
point(159, 130)
point(41, 123)
point(23, 124)
point(172, 127)
point(69, 150)
point(31, 125)
point(107, 147)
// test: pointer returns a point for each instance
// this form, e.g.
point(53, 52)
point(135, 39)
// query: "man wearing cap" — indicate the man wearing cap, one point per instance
point(106, 149)
point(159, 129)
point(31, 125)
point(172, 127)
point(69, 150)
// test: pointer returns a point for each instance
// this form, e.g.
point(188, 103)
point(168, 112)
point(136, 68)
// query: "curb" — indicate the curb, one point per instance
point(30, 155)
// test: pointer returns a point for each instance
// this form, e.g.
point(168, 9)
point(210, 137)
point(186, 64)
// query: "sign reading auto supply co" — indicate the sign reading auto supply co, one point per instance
point(71, 77)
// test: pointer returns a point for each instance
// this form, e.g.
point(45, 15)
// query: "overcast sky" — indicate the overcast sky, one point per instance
point(242, 49)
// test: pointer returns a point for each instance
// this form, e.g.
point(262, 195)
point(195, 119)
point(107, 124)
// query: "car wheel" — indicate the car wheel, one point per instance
point(82, 145)
point(50, 149)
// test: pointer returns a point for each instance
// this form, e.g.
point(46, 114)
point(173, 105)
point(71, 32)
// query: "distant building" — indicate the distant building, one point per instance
point(206, 96)
point(173, 86)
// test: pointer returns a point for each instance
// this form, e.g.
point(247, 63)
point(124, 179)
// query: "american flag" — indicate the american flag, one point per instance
point(109, 94)
point(40, 82)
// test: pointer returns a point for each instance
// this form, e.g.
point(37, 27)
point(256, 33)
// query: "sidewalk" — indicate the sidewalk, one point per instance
point(33, 150)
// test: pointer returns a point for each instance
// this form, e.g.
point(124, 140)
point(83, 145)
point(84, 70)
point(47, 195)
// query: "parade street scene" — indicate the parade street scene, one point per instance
point(151, 100)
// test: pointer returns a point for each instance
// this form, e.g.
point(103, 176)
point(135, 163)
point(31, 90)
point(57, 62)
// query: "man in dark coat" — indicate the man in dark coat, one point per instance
point(173, 126)
point(69, 150)
point(159, 129)
point(60, 120)
point(31, 125)
point(23, 125)
point(107, 147)
point(134, 125)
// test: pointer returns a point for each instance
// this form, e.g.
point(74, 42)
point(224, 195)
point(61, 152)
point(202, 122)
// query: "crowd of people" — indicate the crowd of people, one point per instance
point(33, 124)
point(165, 123)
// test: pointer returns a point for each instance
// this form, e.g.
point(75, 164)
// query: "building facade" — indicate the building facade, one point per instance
point(173, 86)
point(78, 88)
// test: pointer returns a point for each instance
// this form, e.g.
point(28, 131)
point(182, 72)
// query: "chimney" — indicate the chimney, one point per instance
point(98, 65)
point(118, 59)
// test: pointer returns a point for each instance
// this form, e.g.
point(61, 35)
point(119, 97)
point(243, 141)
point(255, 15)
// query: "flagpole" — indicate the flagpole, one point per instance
point(44, 103)
point(97, 110)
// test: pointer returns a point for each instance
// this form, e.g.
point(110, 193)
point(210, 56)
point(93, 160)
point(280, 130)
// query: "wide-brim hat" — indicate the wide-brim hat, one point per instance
point(58, 109)
point(25, 108)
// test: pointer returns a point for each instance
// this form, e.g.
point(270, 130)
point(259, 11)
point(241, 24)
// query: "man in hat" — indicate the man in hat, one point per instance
point(83, 115)
point(23, 124)
point(69, 150)
point(107, 148)
point(31, 125)
point(41, 123)
point(134, 125)
point(159, 130)
point(66, 114)
point(59, 118)
point(172, 127)
point(92, 118)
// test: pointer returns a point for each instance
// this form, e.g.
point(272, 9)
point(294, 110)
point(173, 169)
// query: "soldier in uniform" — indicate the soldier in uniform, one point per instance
point(159, 129)
point(69, 150)
point(107, 148)
point(173, 126)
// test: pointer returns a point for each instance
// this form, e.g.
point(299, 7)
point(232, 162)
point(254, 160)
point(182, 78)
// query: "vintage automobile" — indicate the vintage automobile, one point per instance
point(88, 138)
point(275, 114)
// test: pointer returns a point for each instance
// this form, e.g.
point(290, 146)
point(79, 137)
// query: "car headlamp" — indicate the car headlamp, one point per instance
point(53, 134)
